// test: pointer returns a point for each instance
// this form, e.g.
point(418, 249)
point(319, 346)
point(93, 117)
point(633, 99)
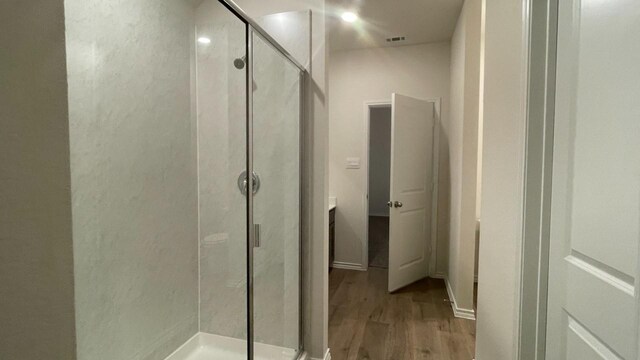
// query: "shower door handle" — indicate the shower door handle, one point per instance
point(256, 235)
point(242, 182)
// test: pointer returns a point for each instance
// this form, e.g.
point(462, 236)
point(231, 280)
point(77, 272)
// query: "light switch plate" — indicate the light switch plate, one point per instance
point(353, 163)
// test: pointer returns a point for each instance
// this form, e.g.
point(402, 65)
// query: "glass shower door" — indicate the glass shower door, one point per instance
point(276, 204)
point(221, 96)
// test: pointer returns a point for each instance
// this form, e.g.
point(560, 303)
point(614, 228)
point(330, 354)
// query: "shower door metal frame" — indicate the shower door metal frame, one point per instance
point(253, 25)
point(253, 29)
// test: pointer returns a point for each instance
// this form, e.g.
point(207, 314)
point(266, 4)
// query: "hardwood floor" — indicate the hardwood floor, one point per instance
point(414, 323)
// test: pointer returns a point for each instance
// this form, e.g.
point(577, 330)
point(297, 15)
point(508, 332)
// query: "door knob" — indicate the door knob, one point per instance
point(397, 204)
point(389, 204)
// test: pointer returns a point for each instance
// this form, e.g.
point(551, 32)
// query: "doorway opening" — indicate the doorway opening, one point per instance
point(379, 185)
point(400, 200)
point(400, 211)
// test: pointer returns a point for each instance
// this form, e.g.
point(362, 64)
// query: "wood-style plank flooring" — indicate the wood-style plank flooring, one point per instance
point(414, 323)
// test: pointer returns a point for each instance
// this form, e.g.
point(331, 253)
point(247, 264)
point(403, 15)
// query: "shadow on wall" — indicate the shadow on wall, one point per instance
point(444, 200)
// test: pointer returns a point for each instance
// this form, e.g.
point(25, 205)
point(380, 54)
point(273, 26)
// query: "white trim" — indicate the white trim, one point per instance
point(458, 312)
point(540, 41)
point(436, 178)
point(228, 345)
point(348, 266)
point(438, 275)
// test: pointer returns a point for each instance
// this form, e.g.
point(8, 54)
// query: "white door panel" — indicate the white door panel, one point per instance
point(411, 177)
point(595, 211)
point(600, 302)
point(581, 344)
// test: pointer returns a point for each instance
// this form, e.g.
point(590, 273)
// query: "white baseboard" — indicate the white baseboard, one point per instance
point(458, 312)
point(348, 266)
point(438, 275)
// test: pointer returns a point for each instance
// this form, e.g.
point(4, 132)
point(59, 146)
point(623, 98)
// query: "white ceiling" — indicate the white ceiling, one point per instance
point(421, 21)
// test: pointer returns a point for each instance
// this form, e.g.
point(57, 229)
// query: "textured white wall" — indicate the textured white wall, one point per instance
point(357, 76)
point(292, 30)
point(133, 176)
point(36, 260)
point(379, 161)
point(502, 181)
point(463, 150)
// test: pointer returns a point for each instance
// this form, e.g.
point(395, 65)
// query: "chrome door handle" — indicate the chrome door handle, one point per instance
point(389, 204)
point(397, 204)
point(242, 182)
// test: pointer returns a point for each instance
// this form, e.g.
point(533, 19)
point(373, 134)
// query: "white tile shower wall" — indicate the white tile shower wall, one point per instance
point(292, 30)
point(134, 188)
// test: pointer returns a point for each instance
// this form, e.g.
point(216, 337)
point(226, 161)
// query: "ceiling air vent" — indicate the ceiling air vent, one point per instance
point(396, 39)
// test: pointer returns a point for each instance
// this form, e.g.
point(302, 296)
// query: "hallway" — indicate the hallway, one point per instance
point(379, 241)
point(366, 322)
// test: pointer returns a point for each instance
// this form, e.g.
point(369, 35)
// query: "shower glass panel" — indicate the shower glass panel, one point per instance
point(276, 205)
point(221, 94)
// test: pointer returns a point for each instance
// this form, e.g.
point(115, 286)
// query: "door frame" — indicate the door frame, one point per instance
point(372, 104)
point(540, 111)
point(536, 87)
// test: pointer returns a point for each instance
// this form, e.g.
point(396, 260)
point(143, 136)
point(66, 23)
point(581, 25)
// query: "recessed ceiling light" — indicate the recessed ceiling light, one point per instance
point(204, 40)
point(349, 17)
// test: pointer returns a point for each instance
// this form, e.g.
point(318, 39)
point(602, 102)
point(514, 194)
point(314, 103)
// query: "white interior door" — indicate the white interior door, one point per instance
point(410, 190)
point(595, 201)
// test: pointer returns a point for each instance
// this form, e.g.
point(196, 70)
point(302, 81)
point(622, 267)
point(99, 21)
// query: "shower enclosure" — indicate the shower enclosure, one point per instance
point(185, 146)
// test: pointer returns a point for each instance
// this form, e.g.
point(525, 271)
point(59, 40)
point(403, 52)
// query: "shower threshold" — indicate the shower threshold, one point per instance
point(204, 346)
